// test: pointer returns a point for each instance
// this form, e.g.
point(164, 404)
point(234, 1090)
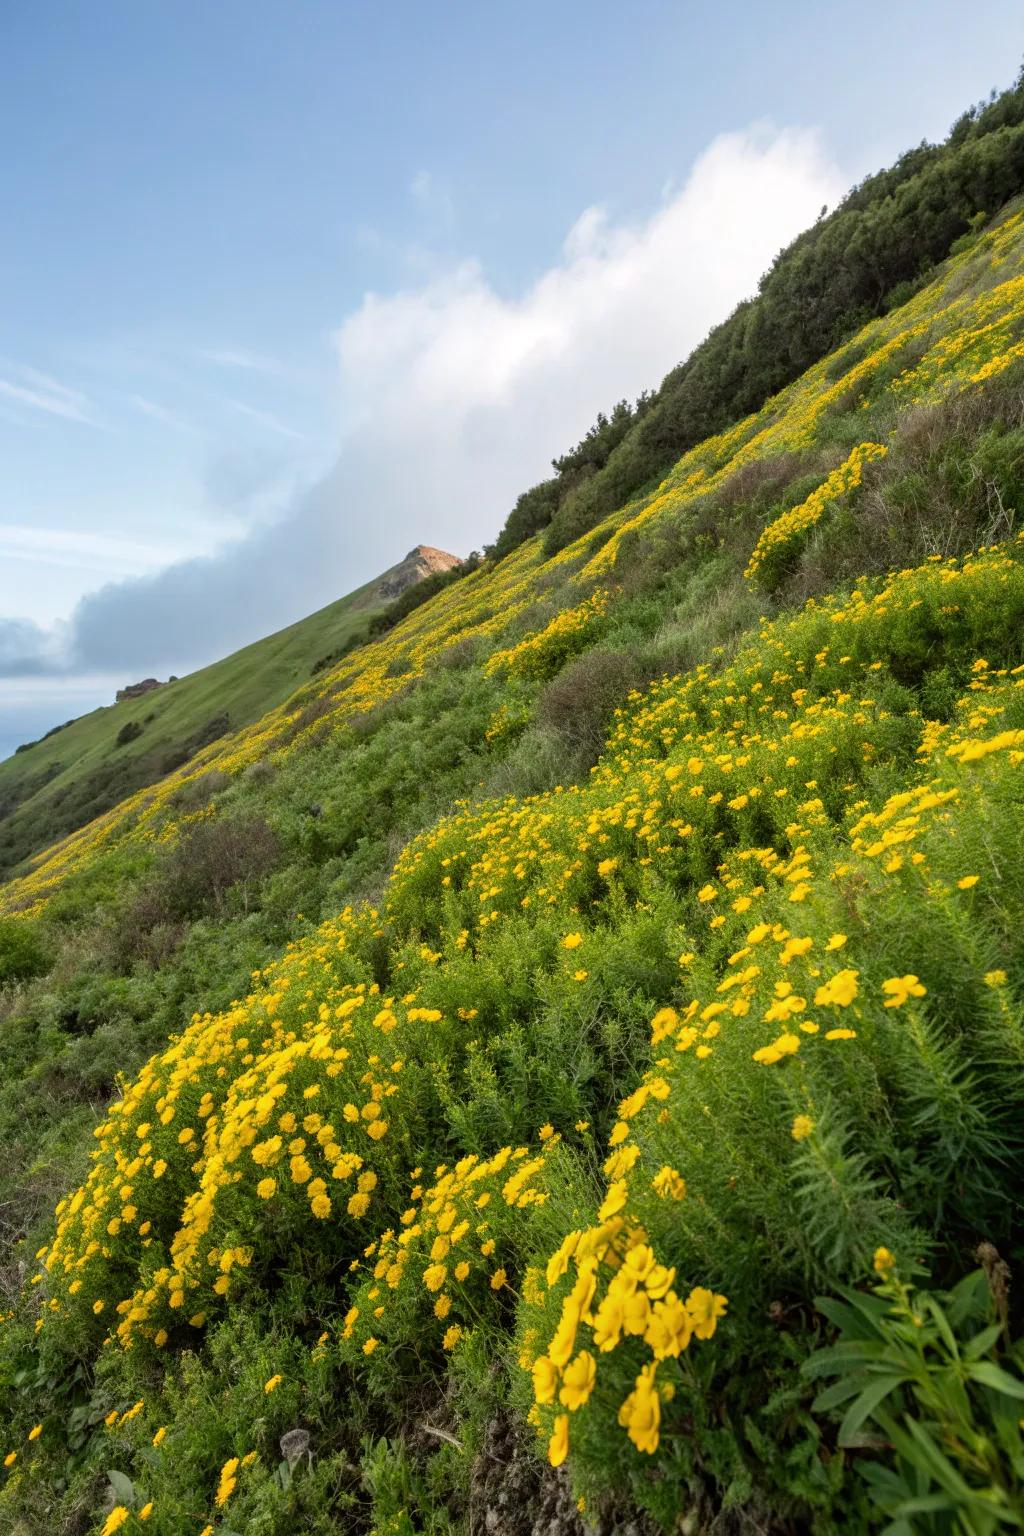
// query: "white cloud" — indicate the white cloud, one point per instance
point(456, 397)
point(42, 393)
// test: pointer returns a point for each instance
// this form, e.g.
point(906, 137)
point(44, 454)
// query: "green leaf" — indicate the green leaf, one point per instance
point(839, 1357)
point(941, 1322)
point(124, 1488)
point(865, 1406)
point(995, 1377)
point(839, 1392)
point(920, 1450)
point(982, 1342)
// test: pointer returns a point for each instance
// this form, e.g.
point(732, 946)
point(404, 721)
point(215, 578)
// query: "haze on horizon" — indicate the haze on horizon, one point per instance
point(284, 297)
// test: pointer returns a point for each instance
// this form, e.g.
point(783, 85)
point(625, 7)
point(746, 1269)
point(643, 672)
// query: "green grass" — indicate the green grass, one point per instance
point(64, 781)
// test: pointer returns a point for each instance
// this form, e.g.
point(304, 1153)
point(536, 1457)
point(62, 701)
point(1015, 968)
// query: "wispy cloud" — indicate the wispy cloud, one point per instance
point(93, 551)
point(42, 393)
point(267, 419)
point(254, 362)
point(160, 413)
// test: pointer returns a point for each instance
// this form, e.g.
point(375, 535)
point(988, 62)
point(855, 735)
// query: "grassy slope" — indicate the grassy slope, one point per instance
point(496, 688)
point(75, 774)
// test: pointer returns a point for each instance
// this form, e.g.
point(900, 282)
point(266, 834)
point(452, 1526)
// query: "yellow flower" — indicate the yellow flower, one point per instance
point(434, 1276)
point(580, 975)
point(320, 1205)
point(578, 1381)
point(118, 1516)
point(614, 1200)
point(967, 882)
point(273, 1383)
point(606, 867)
point(266, 1188)
point(35, 1432)
point(669, 1184)
point(836, 941)
point(545, 1380)
point(884, 1262)
point(572, 941)
point(609, 1322)
point(669, 1328)
point(452, 1337)
point(98, 1306)
point(640, 1414)
point(498, 1280)
point(370, 1346)
point(803, 1125)
point(558, 1445)
point(228, 1482)
point(839, 992)
point(160, 1435)
point(995, 978)
point(146, 1510)
point(10, 1458)
point(900, 988)
point(705, 1308)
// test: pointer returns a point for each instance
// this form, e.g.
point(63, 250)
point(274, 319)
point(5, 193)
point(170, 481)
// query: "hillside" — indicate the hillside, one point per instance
point(73, 774)
point(562, 1067)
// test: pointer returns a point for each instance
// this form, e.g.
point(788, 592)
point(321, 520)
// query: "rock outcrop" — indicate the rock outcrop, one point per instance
point(136, 690)
point(419, 563)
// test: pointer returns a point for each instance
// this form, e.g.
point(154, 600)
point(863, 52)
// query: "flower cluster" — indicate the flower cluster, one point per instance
point(453, 1255)
point(545, 652)
point(779, 540)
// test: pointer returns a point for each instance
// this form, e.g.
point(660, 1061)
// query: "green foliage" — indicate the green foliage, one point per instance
point(130, 731)
point(929, 1374)
point(24, 951)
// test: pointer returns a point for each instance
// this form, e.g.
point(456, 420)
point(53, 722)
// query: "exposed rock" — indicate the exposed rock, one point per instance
point(419, 563)
point(136, 690)
point(294, 1445)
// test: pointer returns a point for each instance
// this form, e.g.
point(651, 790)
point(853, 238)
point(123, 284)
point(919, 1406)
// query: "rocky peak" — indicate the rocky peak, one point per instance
point(419, 563)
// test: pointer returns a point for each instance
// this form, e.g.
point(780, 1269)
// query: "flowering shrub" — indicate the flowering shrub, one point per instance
point(542, 654)
point(780, 539)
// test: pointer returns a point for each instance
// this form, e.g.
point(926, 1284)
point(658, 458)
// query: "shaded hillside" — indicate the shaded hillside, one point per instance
point(865, 257)
point(84, 767)
point(573, 992)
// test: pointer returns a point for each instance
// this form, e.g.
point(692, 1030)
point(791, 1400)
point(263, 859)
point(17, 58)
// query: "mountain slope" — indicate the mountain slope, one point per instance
point(633, 956)
point(59, 783)
point(858, 261)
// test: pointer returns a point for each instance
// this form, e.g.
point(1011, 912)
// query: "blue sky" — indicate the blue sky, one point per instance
point(288, 287)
